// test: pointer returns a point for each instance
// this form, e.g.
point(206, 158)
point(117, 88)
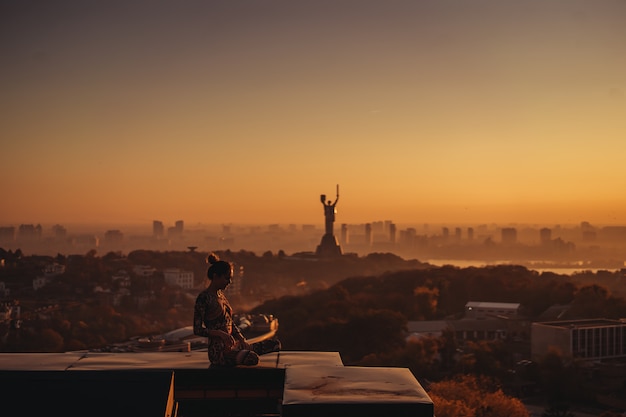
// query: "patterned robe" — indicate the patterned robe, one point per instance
point(213, 312)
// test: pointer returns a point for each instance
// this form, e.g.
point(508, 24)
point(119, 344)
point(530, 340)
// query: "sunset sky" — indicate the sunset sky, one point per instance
point(423, 111)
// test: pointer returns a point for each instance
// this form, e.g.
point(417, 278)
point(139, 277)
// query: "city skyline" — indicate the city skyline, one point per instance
point(440, 112)
point(584, 245)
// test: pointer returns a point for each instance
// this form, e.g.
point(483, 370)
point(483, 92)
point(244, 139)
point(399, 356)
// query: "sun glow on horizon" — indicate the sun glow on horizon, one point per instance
point(423, 112)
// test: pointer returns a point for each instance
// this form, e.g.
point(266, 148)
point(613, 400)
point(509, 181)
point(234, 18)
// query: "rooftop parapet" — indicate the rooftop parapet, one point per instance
point(180, 384)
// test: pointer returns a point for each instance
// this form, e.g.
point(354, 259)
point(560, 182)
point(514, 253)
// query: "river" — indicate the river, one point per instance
point(557, 269)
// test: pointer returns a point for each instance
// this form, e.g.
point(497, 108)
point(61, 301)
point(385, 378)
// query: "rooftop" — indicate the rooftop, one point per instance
point(488, 304)
point(578, 324)
point(179, 384)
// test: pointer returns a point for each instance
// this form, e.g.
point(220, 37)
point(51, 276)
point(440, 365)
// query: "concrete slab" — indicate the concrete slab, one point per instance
point(286, 359)
point(38, 361)
point(148, 360)
point(339, 391)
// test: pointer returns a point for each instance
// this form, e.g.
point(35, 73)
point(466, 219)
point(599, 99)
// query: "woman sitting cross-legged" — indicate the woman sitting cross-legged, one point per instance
point(213, 318)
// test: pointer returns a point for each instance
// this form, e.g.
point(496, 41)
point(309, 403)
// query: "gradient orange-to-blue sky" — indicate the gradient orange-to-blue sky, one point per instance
point(236, 111)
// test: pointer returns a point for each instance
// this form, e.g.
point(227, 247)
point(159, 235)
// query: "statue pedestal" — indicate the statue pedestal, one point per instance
point(328, 247)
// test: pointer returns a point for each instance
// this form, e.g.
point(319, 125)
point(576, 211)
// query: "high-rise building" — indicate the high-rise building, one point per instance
point(508, 235)
point(545, 235)
point(177, 230)
point(113, 236)
point(29, 232)
point(345, 234)
point(158, 229)
point(59, 231)
point(7, 234)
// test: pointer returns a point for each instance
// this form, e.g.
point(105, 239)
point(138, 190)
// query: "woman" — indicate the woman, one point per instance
point(213, 318)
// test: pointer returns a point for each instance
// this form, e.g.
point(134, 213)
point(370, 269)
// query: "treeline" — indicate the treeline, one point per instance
point(75, 309)
point(358, 306)
point(365, 320)
point(364, 315)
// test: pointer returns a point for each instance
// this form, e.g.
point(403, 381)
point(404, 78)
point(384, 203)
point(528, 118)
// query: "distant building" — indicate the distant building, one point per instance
point(29, 232)
point(407, 236)
point(7, 234)
point(235, 288)
point(177, 230)
point(53, 270)
point(40, 282)
point(489, 310)
point(345, 234)
point(378, 227)
point(144, 270)
point(613, 233)
point(588, 339)
point(463, 330)
point(175, 276)
point(113, 236)
point(368, 234)
point(59, 231)
point(589, 236)
point(86, 241)
point(508, 235)
point(122, 278)
point(158, 230)
point(545, 235)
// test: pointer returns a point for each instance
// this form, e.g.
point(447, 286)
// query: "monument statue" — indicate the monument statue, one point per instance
point(329, 247)
point(329, 211)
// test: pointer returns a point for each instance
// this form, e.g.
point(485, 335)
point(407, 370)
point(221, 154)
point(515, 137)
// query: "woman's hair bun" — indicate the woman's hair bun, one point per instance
point(212, 258)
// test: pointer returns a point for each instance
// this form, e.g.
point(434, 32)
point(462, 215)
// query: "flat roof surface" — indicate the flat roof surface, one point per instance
point(352, 384)
point(95, 361)
point(305, 383)
point(353, 390)
point(582, 323)
point(488, 304)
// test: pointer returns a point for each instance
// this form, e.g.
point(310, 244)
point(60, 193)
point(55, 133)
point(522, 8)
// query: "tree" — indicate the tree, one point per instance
point(425, 302)
point(560, 377)
point(468, 395)
point(485, 357)
point(445, 407)
point(419, 355)
point(590, 301)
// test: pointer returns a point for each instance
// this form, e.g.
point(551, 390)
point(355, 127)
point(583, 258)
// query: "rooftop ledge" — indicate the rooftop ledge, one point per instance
point(179, 384)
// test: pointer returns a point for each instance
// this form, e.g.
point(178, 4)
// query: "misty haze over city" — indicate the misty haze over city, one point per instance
point(574, 247)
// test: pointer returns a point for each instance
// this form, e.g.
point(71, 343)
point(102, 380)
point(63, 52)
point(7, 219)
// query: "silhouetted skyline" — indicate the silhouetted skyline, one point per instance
point(579, 247)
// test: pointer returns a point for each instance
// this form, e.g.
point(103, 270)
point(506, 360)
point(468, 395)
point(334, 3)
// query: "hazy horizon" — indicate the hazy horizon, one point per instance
point(319, 225)
point(238, 112)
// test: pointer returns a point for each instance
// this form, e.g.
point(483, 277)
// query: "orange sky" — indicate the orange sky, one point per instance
point(245, 112)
